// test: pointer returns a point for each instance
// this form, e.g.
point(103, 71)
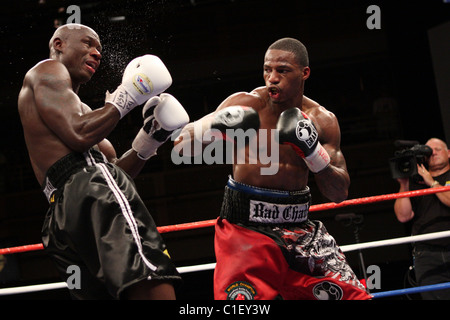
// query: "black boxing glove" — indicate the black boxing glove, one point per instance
point(297, 130)
point(235, 117)
point(214, 127)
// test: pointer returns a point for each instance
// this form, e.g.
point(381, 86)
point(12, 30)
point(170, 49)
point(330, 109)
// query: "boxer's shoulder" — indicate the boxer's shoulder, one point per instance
point(46, 68)
point(261, 94)
point(316, 111)
point(250, 99)
point(309, 105)
point(47, 65)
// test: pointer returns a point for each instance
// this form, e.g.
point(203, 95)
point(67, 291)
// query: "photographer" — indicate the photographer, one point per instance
point(430, 213)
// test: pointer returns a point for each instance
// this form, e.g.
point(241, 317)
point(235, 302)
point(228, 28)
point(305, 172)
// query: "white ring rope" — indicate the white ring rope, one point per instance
point(32, 288)
point(62, 285)
point(395, 241)
point(211, 266)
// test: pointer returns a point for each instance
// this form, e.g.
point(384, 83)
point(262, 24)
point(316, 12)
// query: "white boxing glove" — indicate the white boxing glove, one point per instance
point(162, 115)
point(143, 78)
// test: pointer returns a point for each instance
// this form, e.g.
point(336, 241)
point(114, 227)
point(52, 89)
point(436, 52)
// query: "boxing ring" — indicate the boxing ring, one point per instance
point(313, 208)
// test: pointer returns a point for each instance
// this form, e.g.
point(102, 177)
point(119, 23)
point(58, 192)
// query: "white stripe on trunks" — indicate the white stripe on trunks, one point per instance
point(124, 205)
point(89, 158)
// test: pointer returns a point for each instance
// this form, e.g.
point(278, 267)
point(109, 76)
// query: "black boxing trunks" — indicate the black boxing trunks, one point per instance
point(267, 248)
point(98, 225)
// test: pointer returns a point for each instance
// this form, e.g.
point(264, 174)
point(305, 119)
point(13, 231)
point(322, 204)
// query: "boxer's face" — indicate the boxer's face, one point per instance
point(81, 54)
point(283, 76)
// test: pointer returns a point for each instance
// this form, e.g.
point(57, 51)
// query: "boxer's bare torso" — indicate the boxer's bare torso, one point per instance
point(292, 173)
point(47, 127)
point(284, 89)
point(54, 120)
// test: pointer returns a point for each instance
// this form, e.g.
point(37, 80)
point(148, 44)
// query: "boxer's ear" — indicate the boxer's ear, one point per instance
point(305, 73)
point(58, 45)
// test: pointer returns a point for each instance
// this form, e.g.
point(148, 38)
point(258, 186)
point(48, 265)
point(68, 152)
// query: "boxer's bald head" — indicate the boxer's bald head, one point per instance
point(78, 47)
point(65, 32)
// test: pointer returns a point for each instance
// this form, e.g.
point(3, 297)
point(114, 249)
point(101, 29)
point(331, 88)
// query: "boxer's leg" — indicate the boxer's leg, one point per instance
point(151, 290)
point(318, 268)
point(299, 286)
point(249, 265)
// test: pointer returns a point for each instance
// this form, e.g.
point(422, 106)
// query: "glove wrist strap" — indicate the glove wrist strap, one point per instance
point(145, 146)
point(318, 160)
point(121, 100)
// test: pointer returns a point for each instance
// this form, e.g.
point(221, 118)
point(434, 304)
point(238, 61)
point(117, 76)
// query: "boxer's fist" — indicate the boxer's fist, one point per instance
point(297, 130)
point(235, 117)
point(143, 78)
point(162, 115)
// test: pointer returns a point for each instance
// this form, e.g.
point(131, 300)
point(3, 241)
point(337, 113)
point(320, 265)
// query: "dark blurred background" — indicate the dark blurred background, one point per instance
point(383, 84)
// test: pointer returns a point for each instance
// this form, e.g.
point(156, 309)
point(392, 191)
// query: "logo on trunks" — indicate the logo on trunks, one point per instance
point(306, 132)
point(240, 290)
point(266, 212)
point(48, 189)
point(327, 291)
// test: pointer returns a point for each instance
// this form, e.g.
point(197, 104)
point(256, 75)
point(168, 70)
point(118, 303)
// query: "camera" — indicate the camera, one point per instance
point(405, 161)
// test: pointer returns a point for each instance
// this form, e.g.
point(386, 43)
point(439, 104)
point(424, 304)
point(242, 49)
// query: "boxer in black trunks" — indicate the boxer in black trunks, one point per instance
point(96, 219)
point(266, 247)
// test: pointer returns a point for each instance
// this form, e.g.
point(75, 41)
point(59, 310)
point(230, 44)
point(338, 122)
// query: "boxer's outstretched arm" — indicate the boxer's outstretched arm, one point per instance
point(238, 103)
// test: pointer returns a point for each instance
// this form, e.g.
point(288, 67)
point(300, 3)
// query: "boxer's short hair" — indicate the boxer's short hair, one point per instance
point(294, 46)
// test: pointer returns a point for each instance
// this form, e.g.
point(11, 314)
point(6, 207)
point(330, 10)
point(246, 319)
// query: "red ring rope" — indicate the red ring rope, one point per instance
point(384, 197)
point(313, 208)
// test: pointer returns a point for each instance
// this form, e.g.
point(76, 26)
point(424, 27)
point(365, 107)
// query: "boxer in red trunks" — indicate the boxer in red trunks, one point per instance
point(266, 247)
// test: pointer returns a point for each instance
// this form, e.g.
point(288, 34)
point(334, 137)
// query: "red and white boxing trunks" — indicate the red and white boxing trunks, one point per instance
point(266, 248)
